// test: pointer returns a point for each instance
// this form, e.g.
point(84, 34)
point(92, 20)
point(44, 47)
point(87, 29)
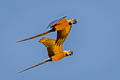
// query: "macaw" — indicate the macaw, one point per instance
point(55, 52)
point(61, 26)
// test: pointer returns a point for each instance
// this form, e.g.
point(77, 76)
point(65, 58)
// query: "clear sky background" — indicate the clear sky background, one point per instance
point(95, 39)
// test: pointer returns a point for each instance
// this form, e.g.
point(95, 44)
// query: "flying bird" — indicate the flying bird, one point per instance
point(55, 52)
point(61, 26)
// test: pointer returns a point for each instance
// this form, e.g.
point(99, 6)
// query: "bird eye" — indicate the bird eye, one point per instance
point(70, 23)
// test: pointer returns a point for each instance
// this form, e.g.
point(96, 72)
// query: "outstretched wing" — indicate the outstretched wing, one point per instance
point(52, 48)
point(63, 34)
point(62, 27)
point(35, 65)
point(55, 24)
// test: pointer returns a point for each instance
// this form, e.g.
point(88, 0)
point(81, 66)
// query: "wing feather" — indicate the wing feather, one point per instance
point(56, 23)
point(51, 46)
point(62, 35)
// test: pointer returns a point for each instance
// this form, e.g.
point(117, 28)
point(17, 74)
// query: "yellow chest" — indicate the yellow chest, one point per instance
point(58, 57)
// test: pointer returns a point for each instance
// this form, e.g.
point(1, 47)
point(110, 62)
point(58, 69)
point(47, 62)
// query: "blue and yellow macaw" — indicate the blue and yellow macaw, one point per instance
point(55, 52)
point(61, 26)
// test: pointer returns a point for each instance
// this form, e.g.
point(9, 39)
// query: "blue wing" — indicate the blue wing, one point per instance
point(53, 23)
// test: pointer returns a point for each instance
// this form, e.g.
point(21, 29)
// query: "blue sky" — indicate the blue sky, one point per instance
point(95, 39)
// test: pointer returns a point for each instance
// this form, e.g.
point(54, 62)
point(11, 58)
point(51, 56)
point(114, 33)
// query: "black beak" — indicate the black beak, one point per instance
point(71, 54)
point(74, 21)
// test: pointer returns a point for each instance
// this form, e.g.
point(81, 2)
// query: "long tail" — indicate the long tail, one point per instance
point(44, 33)
point(35, 65)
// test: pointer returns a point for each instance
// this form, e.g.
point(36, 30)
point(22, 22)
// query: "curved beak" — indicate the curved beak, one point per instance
point(74, 21)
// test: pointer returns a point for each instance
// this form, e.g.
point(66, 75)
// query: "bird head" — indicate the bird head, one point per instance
point(72, 21)
point(68, 53)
